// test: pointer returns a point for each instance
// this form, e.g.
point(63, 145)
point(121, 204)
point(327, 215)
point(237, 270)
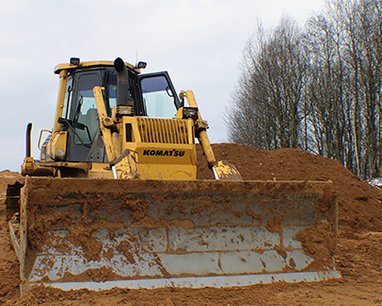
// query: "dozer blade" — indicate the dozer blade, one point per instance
point(99, 234)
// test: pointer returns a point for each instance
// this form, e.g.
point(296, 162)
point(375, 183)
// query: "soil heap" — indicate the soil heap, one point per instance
point(360, 206)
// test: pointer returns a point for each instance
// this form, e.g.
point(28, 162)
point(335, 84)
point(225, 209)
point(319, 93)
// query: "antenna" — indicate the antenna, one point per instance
point(136, 57)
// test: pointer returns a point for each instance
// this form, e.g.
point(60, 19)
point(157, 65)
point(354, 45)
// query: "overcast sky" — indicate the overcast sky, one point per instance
point(199, 42)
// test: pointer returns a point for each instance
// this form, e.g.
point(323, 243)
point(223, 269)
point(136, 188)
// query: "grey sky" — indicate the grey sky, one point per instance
point(198, 42)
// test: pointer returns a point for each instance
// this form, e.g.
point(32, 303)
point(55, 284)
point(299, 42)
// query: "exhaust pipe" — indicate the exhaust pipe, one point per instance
point(28, 141)
point(125, 105)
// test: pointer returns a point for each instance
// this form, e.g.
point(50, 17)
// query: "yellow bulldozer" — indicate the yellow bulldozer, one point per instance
point(114, 201)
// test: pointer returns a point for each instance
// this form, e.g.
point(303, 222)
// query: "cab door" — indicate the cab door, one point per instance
point(83, 116)
point(160, 99)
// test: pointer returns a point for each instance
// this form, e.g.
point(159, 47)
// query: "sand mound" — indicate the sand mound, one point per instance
point(360, 207)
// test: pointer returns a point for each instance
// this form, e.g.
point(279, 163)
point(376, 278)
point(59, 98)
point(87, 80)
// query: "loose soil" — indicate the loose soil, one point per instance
point(358, 254)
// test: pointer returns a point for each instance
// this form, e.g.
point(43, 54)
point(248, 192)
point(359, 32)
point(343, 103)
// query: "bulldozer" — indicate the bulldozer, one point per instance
point(114, 200)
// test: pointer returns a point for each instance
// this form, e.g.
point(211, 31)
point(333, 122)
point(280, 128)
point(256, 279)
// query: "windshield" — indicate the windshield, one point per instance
point(158, 97)
point(86, 117)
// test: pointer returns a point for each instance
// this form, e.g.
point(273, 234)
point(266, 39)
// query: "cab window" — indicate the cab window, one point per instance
point(158, 98)
point(86, 116)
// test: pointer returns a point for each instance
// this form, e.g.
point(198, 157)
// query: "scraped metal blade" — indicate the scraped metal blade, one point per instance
point(185, 233)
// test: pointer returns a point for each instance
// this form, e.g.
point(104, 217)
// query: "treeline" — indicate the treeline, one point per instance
point(318, 88)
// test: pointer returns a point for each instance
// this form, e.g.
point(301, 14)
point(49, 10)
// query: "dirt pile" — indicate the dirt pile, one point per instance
point(359, 254)
point(360, 207)
point(7, 177)
point(9, 264)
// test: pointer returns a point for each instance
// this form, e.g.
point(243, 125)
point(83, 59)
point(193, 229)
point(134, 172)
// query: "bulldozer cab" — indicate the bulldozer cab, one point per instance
point(153, 94)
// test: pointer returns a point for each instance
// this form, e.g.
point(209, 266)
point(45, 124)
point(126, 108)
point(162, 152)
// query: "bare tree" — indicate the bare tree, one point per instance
point(267, 100)
point(319, 89)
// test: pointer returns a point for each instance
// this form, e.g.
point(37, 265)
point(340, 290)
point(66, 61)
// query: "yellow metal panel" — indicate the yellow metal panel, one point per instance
point(225, 171)
point(164, 154)
point(100, 170)
point(165, 148)
point(127, 165)
point(104, 122)
point(191, 135)
point(58, 143)
point(156, 130)
point(60, 99)
point(167, 172)
point(203, 138)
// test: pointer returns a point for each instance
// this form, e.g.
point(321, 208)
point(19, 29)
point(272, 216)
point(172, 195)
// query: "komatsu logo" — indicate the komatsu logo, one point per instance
point(172, 153)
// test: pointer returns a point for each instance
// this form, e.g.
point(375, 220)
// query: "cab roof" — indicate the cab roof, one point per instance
point(93, 64)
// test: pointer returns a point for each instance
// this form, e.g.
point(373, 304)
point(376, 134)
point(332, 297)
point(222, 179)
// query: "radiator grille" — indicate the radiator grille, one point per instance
point(164, 130)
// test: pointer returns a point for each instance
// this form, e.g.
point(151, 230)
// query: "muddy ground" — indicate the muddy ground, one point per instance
point(358, 255)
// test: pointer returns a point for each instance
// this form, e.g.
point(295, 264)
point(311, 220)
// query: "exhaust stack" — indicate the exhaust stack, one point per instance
point(125, 105)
